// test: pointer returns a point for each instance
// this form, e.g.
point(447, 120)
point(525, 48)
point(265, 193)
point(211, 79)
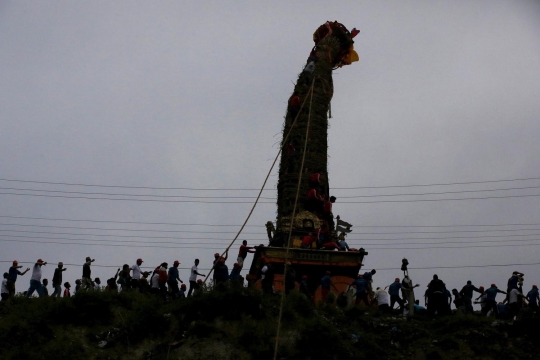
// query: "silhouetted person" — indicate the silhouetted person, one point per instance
point(436, 296)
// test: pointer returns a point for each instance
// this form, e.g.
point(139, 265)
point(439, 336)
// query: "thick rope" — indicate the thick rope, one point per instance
point(292, 222)
point(266, 179)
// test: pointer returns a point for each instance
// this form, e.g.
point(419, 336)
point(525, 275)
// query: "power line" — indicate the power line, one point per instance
point(441, 232)
point(431, 200)
point(116, 222)
point(201, 247)
point(125, 199)
point(134, 195)
point(435, 184)
point(439, 193)
point(260, 233)
point(242, 189)
point(439, 226)
point(453, 247)
point(267, 202)
point(123, 236)
point(446, 238)
point(124, 186)
point(451, 242)
point(230, 232)
point(462, 266)
point(353, 240)
point(116, 229)
point(120, 241)
point(252, 197)
point(218, 244)
point(224, 225)
point(129, 243)
point(256, 233)
point(108, 245)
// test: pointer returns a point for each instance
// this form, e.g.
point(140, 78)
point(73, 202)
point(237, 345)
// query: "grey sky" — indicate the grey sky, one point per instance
point(193, 94)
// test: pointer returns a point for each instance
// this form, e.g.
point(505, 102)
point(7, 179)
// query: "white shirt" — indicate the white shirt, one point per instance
point(36, 273)
point(263, 271)
point(4, 287)
point(154, 281)
point(136, 272)
point(513, 297)
point(382, 297)
point(194, 271)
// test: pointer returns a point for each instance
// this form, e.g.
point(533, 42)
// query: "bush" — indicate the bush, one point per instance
point(61, 348)
point(320, 340)
point(230, 305)
point(202, 329)
point(146, 319)
point(93, 308)
point(257, 337)
point(297, 306)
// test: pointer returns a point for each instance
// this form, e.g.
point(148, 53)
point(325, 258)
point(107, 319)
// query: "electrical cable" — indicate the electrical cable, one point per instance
point(243, 189)
point(355, 243)
point(113, 222)
point(252, 233)
point(432, 200)
point(261, 239)
point(437, 184)
point(439, 193)
point(269, 202)
point(132, 236)
point(134, 195)
point(125, 199)
point(265, 198)
point(228, 225)
point(116, 229)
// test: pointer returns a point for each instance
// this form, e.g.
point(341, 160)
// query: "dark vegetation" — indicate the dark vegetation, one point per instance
point(241, 324)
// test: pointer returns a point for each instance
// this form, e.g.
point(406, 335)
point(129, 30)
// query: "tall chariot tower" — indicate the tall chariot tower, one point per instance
point(304, 169)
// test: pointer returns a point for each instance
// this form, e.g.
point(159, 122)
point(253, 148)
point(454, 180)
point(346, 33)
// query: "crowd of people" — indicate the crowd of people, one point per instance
point(438, 299)
point(164, 281)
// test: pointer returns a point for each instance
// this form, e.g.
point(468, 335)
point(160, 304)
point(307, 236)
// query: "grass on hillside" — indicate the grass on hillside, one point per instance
point(241, 323)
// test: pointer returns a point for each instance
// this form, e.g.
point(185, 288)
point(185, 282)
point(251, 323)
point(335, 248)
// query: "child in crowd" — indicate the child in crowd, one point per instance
point(67, 286)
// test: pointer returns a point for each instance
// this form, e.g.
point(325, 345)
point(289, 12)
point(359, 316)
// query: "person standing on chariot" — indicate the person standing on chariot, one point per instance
point(327, 212)
point(242, 253)
point(314, 202)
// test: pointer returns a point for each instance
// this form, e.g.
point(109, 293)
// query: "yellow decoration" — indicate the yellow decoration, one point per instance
point(351, 57)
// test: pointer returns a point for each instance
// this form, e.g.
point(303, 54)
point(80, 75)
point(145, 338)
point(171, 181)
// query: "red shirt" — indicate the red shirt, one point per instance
point(312, 194)
point(330, 245)
point(66, 293)
point(307, 240)
point(315, 178)
point(162, 274)
point(327, 207)
point(244, 251)
point(295, 101)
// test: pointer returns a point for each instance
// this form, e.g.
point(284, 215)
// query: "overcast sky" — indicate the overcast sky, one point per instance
point(192, 95)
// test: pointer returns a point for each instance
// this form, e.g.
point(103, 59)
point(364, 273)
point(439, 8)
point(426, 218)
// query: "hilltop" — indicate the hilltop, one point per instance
point(241, 324)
